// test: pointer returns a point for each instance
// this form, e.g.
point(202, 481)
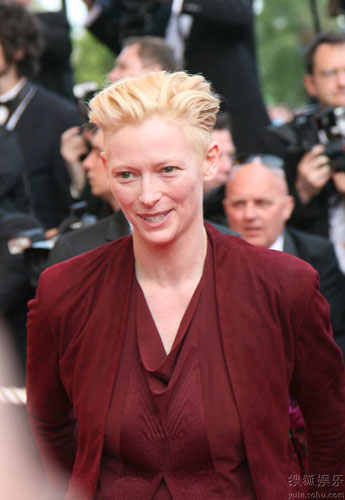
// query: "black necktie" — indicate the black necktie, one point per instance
point(6, 109)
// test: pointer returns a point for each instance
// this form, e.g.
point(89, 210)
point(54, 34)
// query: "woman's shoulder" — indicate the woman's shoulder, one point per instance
point(83, 294)
point(89, 267)
point(260, 264)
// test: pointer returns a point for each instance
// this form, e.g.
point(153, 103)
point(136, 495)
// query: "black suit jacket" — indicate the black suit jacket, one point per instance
point(105, 230)
point(38, 132)
point(320, 254)
point(13, 196)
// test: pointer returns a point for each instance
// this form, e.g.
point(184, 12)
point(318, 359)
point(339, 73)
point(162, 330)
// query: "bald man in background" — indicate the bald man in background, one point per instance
point(257, 205)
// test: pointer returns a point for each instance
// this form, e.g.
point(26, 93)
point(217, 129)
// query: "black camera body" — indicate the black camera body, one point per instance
point(32, 243)
point(315, 125)
point(132, 17)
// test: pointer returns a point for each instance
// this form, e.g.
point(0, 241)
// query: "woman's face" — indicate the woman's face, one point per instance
point(157, 178)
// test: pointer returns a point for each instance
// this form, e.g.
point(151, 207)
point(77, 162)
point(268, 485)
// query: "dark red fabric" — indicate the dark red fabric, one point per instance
point(174, 384)
point(277, 340)
point(221, 414)
point(166, 418)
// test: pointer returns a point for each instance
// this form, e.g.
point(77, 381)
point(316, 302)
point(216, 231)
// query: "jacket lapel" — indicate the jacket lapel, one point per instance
point(104, 327)
point(254, 356)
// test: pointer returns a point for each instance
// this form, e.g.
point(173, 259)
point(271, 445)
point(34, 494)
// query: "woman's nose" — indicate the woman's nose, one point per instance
point(149, 192)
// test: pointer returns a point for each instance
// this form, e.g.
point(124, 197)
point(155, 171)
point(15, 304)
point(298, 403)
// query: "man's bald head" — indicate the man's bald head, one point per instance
point(257, 203)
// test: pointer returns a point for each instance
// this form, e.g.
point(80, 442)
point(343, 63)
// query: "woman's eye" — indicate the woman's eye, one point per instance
point(168, 170)
point(124, 175)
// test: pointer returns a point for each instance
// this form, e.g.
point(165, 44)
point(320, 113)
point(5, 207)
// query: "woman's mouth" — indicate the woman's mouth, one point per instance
point(156, 218)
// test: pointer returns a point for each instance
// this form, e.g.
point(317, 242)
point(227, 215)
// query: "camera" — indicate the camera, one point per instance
point(315, 125)
point(132, 17)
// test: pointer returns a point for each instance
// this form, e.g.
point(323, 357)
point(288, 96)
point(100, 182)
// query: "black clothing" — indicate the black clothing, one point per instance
point(319, 252)
point(213, 206)
point(38, 132)
point(56, 72)
point(221, 46)
point(313, 216)
point(13, 195)
point(107, 229)
point(15, 287)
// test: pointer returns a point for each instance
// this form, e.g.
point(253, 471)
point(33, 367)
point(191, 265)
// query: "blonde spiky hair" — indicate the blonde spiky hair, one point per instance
point(187, 99)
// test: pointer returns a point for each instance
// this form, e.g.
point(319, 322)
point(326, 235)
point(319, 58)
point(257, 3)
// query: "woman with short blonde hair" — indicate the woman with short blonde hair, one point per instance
point(160, 365)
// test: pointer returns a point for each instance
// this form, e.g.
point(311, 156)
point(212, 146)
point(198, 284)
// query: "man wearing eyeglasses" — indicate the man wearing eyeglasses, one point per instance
point(319, 191)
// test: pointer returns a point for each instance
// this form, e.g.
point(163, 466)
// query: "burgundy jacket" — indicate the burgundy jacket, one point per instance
point(277, 340)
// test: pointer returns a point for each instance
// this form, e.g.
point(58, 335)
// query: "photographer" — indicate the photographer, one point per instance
point(318, 189)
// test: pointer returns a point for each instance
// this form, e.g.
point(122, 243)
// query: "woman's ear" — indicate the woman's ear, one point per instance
point(211, 161)
point(104, 161)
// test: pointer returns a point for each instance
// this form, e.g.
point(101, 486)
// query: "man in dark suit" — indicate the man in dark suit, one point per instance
point(36, 116)
point(257, 205)
point(219, 43)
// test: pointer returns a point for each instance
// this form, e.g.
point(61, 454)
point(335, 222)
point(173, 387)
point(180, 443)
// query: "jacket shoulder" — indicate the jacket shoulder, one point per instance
point(76, 242)
point(90, 266)
point(270, 267)
point(98, 229)
point(47, 101)
point(312, 243)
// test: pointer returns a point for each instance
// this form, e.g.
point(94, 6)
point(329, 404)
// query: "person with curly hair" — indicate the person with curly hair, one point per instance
point(36, 116)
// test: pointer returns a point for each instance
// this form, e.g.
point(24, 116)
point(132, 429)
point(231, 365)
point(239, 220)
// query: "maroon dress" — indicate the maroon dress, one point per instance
point(172, 430)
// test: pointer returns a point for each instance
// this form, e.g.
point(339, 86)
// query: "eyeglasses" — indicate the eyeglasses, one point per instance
point(331, 72)
point(270, 161)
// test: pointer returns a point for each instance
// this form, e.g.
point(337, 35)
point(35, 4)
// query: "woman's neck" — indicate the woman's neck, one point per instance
point(172, 264)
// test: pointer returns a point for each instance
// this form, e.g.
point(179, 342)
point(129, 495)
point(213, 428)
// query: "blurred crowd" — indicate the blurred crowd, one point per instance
point(281, 175)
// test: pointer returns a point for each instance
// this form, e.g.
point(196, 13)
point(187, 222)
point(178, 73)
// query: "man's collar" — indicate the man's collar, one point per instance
point(278, 244)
